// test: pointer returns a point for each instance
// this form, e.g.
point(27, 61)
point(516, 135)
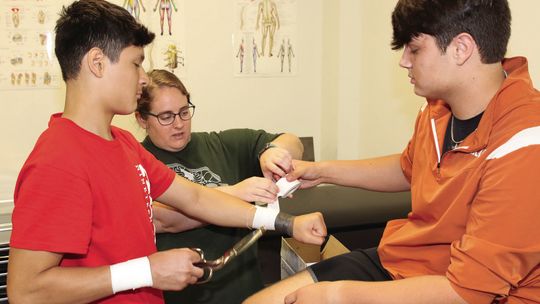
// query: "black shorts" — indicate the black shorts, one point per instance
point(358, 265)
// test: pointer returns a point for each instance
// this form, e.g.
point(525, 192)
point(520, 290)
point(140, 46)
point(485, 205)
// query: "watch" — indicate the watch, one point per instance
point(266, 147)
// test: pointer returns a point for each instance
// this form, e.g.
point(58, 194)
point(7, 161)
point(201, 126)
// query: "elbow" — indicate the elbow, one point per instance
point(17, 294)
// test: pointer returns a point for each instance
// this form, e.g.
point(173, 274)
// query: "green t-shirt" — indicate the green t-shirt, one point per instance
point(216, 159)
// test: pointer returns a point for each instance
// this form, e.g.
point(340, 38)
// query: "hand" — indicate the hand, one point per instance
point(318, 293)
point(275, 162)
point(307, 172)
point(256, 189)
point(173, 269)
point(309, 228)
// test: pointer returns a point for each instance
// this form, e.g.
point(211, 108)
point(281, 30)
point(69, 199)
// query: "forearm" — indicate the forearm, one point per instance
point(207, 204)
point(378, 174)
point(417, 290)
point(55, 284)
point(230, 190)
point(167, 219)
point(290, 143)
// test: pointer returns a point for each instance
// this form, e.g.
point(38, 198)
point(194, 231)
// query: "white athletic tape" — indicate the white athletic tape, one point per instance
point(131, 274)
point(264, 217)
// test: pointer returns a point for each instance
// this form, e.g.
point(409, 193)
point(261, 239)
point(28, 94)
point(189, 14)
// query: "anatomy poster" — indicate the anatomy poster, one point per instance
point(166, 18)
point(27, 58)
point(264, 39)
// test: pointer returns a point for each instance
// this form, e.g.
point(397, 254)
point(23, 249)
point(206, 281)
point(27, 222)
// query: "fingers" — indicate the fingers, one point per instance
point(276, 161)
point(197, 272)
point(297, 170)
point(273, 169)
point(310, 228)
point(258, 189)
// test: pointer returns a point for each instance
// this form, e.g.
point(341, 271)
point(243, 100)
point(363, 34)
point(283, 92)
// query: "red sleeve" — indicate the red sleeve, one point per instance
point(53, 211)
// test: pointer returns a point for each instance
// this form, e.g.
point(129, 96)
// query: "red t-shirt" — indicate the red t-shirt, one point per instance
point(90, 199)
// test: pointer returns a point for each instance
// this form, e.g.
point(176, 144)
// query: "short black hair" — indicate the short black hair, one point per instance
point(95, 23)
point(487, 21)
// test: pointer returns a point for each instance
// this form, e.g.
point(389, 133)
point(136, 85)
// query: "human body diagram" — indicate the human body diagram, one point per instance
point(262, 25)
point(134, 7)
point(256, 54)
point(165, 8)
point(240, 55)
point(268, 23)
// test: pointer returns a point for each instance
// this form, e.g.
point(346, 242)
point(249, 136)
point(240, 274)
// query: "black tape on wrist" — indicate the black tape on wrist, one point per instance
point(284, 223)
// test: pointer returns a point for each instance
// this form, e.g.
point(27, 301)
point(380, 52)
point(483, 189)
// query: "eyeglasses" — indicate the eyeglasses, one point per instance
point(168, 118)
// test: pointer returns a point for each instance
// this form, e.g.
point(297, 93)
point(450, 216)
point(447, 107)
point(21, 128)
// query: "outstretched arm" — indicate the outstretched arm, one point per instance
point(221, 209)
point(253, 189)
point(169, 219)
point(378, 174)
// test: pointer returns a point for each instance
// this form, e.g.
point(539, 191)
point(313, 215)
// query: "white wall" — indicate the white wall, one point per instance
point(349, 93)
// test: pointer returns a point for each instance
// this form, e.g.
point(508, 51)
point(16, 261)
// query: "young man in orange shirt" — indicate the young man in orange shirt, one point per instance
point(472, 167)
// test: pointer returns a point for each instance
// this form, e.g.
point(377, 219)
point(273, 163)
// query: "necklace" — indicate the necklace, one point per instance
point(455, 142)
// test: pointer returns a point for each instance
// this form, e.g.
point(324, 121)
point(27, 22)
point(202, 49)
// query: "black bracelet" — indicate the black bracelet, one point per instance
point(266, 147)
point(284, 223)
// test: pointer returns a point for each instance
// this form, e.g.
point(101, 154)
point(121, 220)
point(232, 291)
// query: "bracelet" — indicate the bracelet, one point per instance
point(285, 223)
point(266, 147)
point(131, 274)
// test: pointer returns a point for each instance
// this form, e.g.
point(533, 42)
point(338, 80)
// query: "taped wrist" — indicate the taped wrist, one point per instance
point(272, 219)
point(131, 274)
point(264, 217)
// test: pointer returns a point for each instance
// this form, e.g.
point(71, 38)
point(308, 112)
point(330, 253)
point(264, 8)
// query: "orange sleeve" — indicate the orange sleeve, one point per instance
point(501, 245)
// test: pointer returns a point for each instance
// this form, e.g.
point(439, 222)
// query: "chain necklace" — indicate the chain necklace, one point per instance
point(455, 142)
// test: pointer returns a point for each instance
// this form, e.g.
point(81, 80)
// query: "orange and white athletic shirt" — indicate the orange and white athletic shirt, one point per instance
point(476, 209)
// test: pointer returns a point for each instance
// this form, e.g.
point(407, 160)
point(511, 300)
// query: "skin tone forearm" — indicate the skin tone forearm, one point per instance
point(377, 174)
point(168, 219)
point(417, 290)
point(39, 278)
point(51, 283)
point(290, 143)
point(218, 208)
point(207, 204)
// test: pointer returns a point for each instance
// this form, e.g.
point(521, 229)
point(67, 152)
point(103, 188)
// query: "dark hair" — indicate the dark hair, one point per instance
point(487, 21)
point(159, 79)
point(95, 23)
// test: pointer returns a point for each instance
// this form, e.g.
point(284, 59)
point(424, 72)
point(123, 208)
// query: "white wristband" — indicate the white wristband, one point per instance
point(264, 217)
point(131, 274)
